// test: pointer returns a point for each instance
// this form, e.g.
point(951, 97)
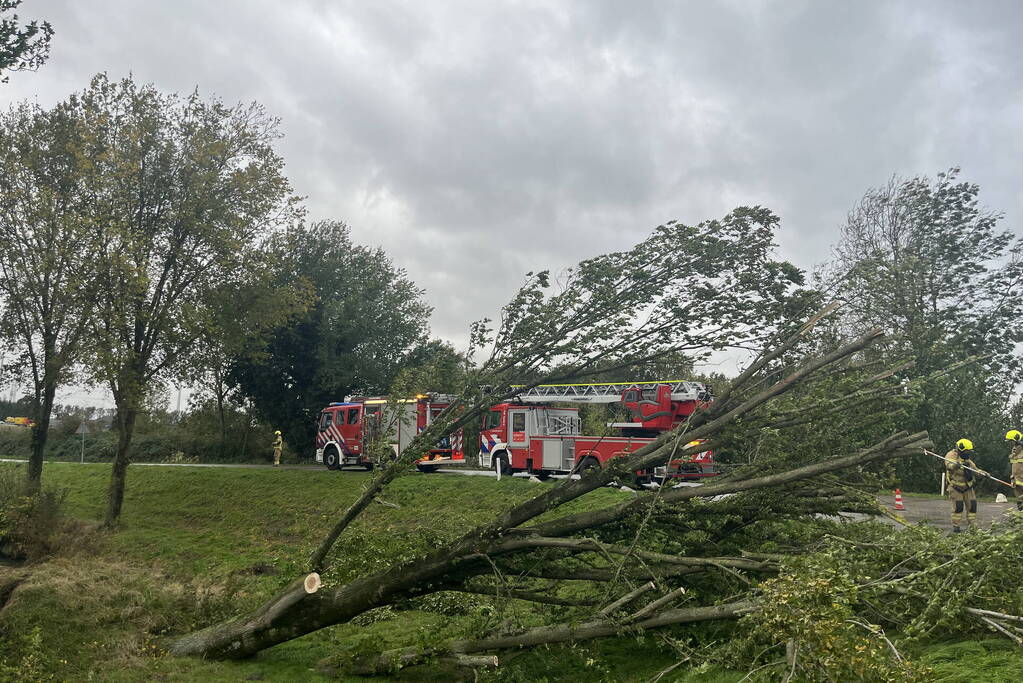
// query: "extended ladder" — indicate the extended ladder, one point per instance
point(608, 392)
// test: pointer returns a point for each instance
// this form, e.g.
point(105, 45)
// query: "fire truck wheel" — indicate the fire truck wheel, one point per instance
point(542, 475)
point(589, 464)
point(500, 464)
point(332, 459)
point(368, 466)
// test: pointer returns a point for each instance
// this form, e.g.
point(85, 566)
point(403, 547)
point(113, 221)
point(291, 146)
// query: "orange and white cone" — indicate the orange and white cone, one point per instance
point(898, 500)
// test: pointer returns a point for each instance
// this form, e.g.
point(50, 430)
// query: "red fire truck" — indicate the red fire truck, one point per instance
point(529, 435)
point(345, 430)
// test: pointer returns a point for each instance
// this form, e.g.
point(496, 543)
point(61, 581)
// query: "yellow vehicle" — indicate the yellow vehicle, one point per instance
point(20, 421)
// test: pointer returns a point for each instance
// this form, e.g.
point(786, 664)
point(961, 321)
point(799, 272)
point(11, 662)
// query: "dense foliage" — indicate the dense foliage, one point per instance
point(364, 316)
point(923, 260)
point(23, 47)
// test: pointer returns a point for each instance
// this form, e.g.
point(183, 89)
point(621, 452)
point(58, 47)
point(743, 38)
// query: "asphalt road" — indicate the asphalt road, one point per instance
point(937, 511)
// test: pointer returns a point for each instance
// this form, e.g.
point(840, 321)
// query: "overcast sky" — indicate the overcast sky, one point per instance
point(477, 141)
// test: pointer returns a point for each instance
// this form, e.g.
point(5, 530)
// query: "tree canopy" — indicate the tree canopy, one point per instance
point(22, 47)
point(922, 259)
point(50, 250)
point(181, 189)
point(364, 317)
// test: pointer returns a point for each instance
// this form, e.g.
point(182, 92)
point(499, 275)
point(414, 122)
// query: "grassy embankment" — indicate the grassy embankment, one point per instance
point(198, 544)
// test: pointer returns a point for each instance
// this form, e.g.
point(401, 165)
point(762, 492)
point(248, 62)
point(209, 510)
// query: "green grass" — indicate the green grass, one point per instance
point(974, 661)
point(196, 545)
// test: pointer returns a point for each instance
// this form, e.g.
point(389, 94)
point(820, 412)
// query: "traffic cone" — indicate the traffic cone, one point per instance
point(898, 500)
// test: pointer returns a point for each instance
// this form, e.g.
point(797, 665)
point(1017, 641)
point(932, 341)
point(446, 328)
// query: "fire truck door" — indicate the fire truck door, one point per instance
point(406, 425)
point(517, 437)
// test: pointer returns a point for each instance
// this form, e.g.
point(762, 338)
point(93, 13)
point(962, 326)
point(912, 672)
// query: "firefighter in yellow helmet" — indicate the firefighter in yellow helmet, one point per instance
point(278, 444)
point(961, 482)
point(1016, 464)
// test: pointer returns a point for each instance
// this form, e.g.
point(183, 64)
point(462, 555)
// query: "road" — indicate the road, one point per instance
point(937, 511)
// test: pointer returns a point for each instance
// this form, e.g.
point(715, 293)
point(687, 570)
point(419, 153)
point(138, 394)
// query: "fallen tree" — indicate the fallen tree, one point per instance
point(472, 555)
point(571, 333)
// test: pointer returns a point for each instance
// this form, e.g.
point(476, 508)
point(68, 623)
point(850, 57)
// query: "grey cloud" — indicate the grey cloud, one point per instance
point(477, 141)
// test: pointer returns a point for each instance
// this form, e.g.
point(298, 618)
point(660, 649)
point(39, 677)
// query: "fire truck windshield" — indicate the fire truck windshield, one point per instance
point(493, 420)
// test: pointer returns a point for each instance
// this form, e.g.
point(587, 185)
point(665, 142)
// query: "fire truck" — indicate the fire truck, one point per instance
point(531, 435)
point(345, 430)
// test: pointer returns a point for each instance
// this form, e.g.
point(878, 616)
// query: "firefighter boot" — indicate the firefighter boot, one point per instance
point(971, 515)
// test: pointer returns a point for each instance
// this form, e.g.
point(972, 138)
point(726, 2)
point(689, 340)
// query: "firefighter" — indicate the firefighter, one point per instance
point(961, 482)
point(1016, 465)
point(278, 444)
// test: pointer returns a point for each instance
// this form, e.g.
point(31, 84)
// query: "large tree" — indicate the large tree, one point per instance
point(49, 252)
point(924, 260)
point(22, 47)
point(364, 316)
point(181, 189)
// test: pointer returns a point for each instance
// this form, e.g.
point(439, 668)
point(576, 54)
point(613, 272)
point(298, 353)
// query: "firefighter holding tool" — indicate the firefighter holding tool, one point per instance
point(277, 445)
point(962, 474)
point(1015, 437)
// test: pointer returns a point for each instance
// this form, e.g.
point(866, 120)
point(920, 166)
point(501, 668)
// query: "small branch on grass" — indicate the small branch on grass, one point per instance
point(603, 575)
point(388, 662)
point(592, 545)
point(626, 599)
point(1006, 632)
point(386, 504)
point(544, 598)
point(877, 631)
point(791, 657)
point(655, 605)
point(770, 557)
point(661, 674)
point(750, 673)
point(996, 615)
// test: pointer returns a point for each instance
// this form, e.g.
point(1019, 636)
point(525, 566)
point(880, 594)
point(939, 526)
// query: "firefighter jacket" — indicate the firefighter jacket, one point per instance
point(278, 442)
point(1016, 464)
point(960, 478)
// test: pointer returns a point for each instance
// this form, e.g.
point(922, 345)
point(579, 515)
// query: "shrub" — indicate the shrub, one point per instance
point(30, 522)
point(15, 442)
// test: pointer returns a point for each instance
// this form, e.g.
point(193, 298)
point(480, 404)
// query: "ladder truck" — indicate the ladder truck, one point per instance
point(531, 435)
point(345, 430)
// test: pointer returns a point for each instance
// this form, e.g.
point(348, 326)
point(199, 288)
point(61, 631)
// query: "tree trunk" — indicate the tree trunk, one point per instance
point(39, 436)
point(126, 414)
point(219, 391)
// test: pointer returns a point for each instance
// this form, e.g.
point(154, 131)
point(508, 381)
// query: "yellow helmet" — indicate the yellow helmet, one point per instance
point(277, 433)
point(964, 445)
point(1013, 435)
